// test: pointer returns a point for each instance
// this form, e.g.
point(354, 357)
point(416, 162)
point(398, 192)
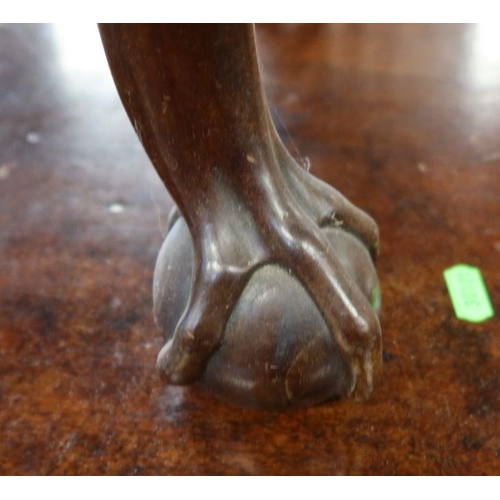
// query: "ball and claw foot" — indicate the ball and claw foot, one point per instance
point(277, 303)
point(270, 298)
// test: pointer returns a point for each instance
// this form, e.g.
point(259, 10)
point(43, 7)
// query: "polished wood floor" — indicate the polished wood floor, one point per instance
point(404, 120)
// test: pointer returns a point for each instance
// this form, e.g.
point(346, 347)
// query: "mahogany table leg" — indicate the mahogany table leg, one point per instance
point(265, 287)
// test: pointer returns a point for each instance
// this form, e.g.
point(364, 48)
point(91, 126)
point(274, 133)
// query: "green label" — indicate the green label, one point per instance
point(468, 293)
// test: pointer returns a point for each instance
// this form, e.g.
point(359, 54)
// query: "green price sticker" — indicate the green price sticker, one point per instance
point(468, 293)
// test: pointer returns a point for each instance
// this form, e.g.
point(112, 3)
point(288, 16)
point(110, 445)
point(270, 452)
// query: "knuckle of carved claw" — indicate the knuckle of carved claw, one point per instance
point(175, 366)
point(368, 327)
point(349, 217)
point(164, 368)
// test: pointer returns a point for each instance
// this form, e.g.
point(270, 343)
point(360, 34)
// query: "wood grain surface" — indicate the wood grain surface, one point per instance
point(404, 120)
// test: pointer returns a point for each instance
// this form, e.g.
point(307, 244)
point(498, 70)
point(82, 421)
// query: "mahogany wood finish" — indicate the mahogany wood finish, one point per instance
point(404, 120)
point(193, 93)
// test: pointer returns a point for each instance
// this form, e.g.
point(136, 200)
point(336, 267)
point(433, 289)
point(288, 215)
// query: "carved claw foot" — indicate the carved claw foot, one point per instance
point(265, 288)
point(253, 322)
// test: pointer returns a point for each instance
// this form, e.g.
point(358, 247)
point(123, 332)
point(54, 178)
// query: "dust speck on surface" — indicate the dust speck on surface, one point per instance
point(33, 138)
point(116, 208)
point(116, 303)
point(5, 170)
point(491, 157)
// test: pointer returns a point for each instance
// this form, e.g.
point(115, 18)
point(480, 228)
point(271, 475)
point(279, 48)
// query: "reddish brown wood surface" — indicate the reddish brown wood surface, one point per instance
point(404, 120)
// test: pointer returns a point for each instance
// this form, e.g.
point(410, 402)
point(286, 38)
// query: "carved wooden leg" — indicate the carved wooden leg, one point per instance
point(265, 287)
